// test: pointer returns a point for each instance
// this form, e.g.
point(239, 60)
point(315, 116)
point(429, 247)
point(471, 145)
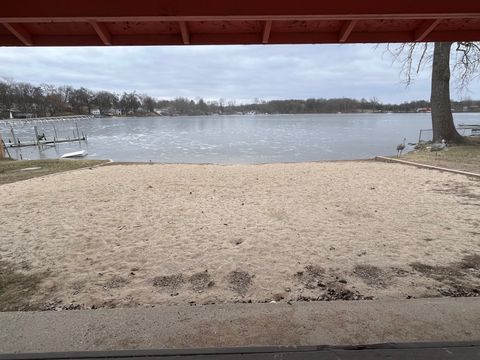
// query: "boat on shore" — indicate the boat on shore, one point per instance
point(75, 154)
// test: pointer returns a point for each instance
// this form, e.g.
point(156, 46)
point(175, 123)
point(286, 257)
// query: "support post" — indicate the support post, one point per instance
point(13, 136)
point(55, 131)
point(2, 151)
point(36, 135)
point(78, 133)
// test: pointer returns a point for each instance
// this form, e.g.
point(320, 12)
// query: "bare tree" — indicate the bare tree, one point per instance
point(414, 56)
point(148, 103)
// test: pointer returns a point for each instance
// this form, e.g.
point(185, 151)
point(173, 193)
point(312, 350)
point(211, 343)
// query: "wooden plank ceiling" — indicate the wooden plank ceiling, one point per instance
point(221, 22)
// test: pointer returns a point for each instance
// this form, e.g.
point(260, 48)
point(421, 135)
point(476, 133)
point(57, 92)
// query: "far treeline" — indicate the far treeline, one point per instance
point(27, 100)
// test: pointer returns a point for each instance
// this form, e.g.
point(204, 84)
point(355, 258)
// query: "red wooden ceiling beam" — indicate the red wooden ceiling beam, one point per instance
point(9, 40)
point(346, 30)
point(267, 28)
point(243, 38)
point(194, 10)
point(20, 33)
point(425, 28)
point(102, 32)
point(185, 32)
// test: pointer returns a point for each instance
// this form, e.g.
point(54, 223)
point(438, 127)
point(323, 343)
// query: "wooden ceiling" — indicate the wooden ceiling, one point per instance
point(220, 22)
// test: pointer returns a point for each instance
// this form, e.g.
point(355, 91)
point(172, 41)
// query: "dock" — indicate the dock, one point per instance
point(474, 130)
point(42, 120)
point(41, 143)
point(41, 140)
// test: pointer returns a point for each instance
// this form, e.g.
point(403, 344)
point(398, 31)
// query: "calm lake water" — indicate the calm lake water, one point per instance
point(237, 139)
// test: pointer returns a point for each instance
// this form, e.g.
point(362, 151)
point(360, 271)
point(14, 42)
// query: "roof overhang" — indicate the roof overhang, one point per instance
point(196, 22)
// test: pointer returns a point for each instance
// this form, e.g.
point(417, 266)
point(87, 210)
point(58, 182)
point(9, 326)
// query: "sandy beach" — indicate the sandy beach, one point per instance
point(140, 235)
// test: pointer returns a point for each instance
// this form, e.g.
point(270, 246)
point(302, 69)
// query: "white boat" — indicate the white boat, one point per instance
point(75, 154)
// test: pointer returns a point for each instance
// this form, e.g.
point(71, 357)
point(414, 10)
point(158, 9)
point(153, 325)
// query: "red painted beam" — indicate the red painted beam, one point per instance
point(266, 31)
point(194, 10)
point(118, 40)
point(346, 30)
point(243, 38)
point(425, 28)
point(461, 35)
point(102, 32)
point(185, 33)
point(20, 33)
point(9, 40)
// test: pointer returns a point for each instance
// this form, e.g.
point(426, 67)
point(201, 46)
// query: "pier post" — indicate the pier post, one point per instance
point(78, 133)
point(36, 135)
point(2, 151)
point(13, 136)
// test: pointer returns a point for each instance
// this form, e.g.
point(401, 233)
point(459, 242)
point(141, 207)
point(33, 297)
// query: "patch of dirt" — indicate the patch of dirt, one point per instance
point(331, 294)
point(399, 272)
point(329, 286)
point(201, 281)
point(311, 276)
point(460, 291)
point(440, 273)
point(172, 282)
point(371, 275)
point(471, 262)
point(464, 192)
point(115, 282)
point(17, 288)
point(240, 281)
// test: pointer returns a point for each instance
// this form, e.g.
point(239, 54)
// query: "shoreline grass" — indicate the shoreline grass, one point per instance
point(464, 157)
point(14, 170)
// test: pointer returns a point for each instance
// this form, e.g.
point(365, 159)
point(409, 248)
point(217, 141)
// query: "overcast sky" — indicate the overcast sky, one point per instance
point(230, 72)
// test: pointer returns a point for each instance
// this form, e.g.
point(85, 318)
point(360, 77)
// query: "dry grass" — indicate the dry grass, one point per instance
point(465, 157)
point(11, 171)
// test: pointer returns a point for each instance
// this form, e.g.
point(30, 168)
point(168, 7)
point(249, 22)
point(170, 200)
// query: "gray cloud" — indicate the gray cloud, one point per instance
point(230, 72)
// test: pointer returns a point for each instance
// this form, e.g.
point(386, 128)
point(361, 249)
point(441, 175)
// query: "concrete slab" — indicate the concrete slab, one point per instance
point(242, 325)
point(417, 351)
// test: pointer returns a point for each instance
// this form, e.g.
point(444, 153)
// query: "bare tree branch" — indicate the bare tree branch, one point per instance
point(412, 57)
point(467, 64)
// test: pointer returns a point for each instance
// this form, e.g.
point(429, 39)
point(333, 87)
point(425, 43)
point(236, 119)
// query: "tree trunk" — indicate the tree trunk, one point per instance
point(442, 119)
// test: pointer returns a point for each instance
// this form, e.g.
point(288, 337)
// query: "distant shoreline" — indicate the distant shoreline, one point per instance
point(276, 114)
